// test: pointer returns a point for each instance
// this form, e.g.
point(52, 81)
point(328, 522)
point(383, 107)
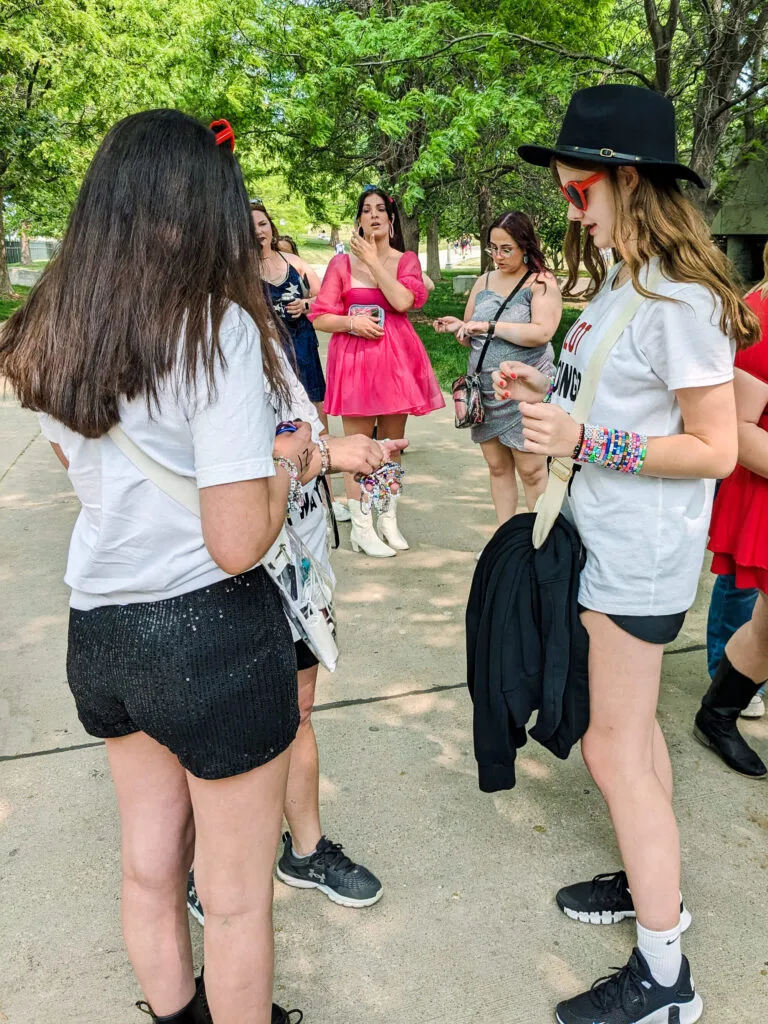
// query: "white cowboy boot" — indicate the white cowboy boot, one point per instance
point(387, 528)
point(363, 535)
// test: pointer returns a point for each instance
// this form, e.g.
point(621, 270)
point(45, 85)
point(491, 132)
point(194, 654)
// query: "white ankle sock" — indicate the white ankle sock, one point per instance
point(662, 953)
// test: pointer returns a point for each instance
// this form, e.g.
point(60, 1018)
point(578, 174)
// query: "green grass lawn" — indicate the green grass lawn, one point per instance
point(448, 357)
point(7, 306)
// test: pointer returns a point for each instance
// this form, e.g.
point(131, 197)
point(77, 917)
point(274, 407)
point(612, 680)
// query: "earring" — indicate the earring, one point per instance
point(525, 259)
point(391, 230)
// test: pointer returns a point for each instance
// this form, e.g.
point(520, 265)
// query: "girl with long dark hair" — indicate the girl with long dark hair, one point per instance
point(521, 330)
point(378, 371)
point(150, 326)
point(292, 285)
point(663, 428)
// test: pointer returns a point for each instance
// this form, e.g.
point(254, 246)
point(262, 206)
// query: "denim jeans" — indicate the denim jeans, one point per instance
point(729, 608)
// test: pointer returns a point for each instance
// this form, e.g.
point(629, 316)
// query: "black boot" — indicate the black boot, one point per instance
point(195, 1012)
point(281, 1016)
point(715, 727)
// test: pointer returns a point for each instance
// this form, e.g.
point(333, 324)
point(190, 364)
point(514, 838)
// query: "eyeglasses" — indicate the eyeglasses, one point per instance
point(576, 191)
point(501, 250)
point(253, 203)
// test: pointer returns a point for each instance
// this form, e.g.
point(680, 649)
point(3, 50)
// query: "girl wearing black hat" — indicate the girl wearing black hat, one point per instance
point(663, 427)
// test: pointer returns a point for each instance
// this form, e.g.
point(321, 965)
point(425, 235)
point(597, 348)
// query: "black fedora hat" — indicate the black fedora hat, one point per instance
point(616, 124)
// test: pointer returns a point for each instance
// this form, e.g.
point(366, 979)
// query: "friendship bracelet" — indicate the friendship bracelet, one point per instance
point(295, 493)
point(622, 450)
point(376, 487)
point(550, 390)
point(325, 456)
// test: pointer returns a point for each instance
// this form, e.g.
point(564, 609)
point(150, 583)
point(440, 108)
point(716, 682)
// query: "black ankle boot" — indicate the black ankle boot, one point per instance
point(195, 1012)
point(715, 727)
point(281, 1016)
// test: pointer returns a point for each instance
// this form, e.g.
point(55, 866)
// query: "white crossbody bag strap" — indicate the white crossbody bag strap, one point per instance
point(181, 488)
point(561, 469)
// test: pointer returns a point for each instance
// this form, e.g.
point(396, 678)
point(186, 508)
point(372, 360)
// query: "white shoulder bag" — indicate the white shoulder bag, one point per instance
point(305, 589)
point(561, 469)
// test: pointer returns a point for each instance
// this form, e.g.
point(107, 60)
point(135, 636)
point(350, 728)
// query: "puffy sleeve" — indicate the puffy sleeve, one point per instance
point(330, 298)
point(410, 276)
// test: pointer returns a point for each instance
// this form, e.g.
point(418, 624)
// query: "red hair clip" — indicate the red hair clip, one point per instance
point(224, 134)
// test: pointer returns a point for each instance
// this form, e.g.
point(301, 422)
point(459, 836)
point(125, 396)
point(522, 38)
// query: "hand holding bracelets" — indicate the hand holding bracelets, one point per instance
point(550, 391)
point(621, 450)
point(295, 493)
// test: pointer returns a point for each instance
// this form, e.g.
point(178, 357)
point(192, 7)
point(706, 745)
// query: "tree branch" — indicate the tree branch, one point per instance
point(725, 107)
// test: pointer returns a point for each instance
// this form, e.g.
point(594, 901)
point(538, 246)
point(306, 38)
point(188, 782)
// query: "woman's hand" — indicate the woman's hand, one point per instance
point(366, 327)
point(473, 327)
point(360, 454)
point(297, 446)
point(548, 429)
point(297, 307)
point(447, 324)
point(365, 250)
point(519, 382)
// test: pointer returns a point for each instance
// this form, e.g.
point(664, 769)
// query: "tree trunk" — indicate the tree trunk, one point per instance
point(6, 288)
point(334, 236)
point(409, 224)
point(26, 258)
point(433, 249)
point(485, 219)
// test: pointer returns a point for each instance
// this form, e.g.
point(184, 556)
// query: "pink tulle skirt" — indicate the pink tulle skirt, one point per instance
point(387, 377)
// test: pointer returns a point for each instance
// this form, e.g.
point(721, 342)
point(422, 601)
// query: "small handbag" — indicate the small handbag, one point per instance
point(304, 587)
point(467, 393)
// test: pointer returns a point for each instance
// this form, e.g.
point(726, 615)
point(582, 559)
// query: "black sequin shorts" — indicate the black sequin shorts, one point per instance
point(210, 674)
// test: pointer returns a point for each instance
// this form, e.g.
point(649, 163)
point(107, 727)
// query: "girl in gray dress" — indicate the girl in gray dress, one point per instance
point(524, 327)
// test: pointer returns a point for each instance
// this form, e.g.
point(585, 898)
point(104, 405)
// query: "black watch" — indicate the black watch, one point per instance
point(492, 327)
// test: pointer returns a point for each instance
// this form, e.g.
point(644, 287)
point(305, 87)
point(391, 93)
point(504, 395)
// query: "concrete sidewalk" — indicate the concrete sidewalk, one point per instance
point(467, 930)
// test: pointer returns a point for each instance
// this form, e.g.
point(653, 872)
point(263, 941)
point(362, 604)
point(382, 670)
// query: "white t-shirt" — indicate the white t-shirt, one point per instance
point(644, 536)
point(132, 542)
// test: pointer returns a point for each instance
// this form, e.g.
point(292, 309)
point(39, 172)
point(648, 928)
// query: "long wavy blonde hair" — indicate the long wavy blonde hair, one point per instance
point(659, 221)
point(762, 286)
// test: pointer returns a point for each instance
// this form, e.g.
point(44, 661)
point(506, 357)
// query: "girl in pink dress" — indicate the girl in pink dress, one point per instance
point(378, 371)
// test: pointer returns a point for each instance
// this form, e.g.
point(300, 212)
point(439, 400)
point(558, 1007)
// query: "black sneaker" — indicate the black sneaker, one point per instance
point(194, 906)
point(633, 996)
point(605, 900)
point(330, 871)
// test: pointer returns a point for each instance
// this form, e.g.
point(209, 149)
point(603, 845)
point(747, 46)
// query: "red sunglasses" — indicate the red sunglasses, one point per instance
point(576, 191)
point(224, 134)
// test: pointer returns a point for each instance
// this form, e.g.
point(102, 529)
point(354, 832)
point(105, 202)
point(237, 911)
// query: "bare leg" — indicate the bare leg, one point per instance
point(392, 428)
point(158, 838)
point(532, 470)
point(356, 425)
point(620, 749)
point(302, 796)
point(238, 827)
point(501, 466)
point(747, 650)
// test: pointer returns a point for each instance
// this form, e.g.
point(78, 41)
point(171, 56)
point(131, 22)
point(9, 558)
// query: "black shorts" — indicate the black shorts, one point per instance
point(304, 656)
point(654, 629)
point(210, 674)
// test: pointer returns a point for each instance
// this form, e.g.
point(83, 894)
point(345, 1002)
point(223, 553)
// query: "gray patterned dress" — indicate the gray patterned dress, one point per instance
point(502, 419)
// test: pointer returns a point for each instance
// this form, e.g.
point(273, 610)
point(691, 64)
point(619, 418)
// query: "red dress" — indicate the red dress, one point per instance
point(738, 535)
point(376, 377)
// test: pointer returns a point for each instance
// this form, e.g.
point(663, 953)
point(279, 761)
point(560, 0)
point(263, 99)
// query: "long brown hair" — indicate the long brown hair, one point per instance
point(158, 246)
point(762, 285)
point(257, 205)
point(660, 221)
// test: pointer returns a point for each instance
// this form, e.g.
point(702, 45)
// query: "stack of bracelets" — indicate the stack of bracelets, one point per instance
point(621, 450)
point(376, 488)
